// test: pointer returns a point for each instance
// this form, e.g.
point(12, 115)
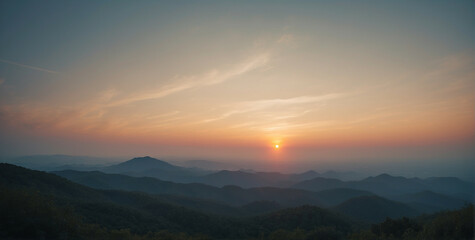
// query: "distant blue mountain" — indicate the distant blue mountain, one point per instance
point(248, 179)
point(152, 167)
point(232, 195)
point(392, 186)
point(60, 162)
point(428, 201)
point(141, 164)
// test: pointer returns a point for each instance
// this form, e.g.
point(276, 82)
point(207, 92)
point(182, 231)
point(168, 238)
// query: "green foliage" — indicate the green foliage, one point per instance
point(29, 215)
point(37, 205)
point(282, 234)
point(452, 225)
point(305, 217)
point(395, 228)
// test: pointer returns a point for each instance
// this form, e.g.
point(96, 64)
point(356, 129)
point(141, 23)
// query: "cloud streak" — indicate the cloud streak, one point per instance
point(185, 83)
point(252, 106)
point(29, 66)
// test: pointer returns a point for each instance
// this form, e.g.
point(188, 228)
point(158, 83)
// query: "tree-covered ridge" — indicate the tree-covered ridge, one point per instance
point(38, 205)
point(453, 225)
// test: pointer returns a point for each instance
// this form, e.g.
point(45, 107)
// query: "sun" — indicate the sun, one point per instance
point(276, 146)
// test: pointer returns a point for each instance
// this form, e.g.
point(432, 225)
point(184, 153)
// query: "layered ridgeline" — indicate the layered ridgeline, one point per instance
point(151, 167)
point(383, 185)
point(347, 201)
point(423, 195)
point(37, 205)
point(51, 206)
point(231, 195)
point(387, 185)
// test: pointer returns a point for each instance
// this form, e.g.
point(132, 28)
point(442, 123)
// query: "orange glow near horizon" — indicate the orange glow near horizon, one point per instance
point(198, 83)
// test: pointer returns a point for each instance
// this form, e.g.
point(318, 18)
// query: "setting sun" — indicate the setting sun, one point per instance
point(276, 146)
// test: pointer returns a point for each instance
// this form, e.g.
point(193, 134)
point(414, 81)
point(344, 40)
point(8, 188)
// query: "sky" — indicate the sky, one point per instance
point(333, 83)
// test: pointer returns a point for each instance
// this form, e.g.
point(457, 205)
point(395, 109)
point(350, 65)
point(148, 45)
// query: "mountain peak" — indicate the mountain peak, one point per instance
point(144, 159)
point(385, 176)
point(140, 164)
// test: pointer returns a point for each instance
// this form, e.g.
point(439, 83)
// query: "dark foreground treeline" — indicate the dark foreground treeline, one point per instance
point(38, 205)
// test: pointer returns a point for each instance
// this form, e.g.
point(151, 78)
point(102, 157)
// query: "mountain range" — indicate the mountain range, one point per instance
point(37, 204)
point(46, 199)
point(242, 188)
point(425, 195)
point(391, 186)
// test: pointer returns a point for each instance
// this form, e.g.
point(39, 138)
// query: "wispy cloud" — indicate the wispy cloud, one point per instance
point(100, 113)
point(29, 66)
point(269, 127)
point(292, 115)
point(188, 82)
point(252, 106)
point(94, 113)
point(163, 115)
point(286, 38)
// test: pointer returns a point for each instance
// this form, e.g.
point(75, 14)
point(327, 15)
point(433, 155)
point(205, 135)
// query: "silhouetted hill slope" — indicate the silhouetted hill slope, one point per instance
point(374, 209)
point(207, 206)
point(429, 202)
point(39, 205)
point(140, 164)
point(261, 207)
point(232, 195)
point(47, 203)
point(225, 177)
point(332, 197)
point(304, 217)
point(319, 184)
point(304, 176)
point(248, 179)
point(111, 209)
point(451, 186)
point(152, 185)
point(29, 215)
point(236, 196)
point(285, 196)
point(21, 178)
point(390, 186)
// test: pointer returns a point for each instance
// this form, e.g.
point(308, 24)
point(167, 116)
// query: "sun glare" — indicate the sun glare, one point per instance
point(276, 146)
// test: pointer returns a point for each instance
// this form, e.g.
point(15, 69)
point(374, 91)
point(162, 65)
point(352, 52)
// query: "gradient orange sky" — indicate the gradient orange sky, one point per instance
point(229, 80)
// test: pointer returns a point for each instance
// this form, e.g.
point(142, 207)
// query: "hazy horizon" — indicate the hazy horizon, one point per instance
point(387, 86)
point(357, 169)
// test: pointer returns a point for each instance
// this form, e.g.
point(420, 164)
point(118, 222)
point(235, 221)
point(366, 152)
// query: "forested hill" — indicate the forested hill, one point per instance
point(51, 206)
point(39, 205)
